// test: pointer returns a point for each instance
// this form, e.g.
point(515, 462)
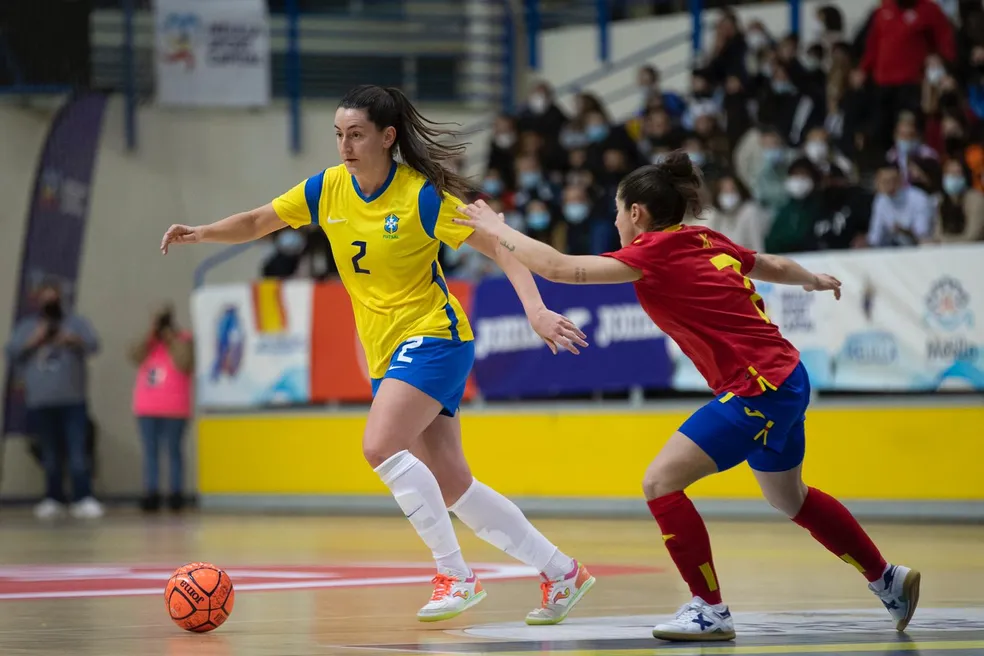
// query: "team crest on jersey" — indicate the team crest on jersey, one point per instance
point(390, 225)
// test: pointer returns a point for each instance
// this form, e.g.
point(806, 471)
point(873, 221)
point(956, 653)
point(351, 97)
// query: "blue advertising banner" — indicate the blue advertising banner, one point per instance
point(56, 222)
point(626, 349)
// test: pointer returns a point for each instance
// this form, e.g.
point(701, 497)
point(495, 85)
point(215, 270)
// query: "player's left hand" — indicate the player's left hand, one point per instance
point(481, 217)
point(557, 331)
point(825, 283)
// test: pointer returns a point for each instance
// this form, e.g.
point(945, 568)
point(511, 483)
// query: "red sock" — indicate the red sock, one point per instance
point(833, 526)
point(685, 537)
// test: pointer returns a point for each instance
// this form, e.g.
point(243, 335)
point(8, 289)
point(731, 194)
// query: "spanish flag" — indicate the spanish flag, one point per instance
point(269, 310)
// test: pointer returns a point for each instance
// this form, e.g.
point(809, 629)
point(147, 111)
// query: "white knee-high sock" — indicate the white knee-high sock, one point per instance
point(419, 496)
point(498, 521)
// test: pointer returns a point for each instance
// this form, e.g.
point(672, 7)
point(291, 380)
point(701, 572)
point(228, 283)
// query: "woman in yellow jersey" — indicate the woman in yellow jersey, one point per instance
point(385, 221)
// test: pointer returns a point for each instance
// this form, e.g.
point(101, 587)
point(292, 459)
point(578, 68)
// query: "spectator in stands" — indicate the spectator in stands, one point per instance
point(902, 34)
point(845, 213)
point(908, 145)
point(737, 117)
point(284, 260)
point(735, 215)
point(164, 356)
point(495, 186)
point(541, 113)
point(703, 99)
point(729, 50)
point(825, 157)
point(504, 147)
point(541, 221)
point(926, 173)
point(838, 83)
point(832, 26)
point(577, 210)
point(793, 229)
point(902, 215)
point(855, 118)
point(975, 87)
point(712, 166)
point(532, 183)
point(769, 189)
point(961, 214)
point(659, 133)
point(650, 87)
point(49, 350)
point(786, 107)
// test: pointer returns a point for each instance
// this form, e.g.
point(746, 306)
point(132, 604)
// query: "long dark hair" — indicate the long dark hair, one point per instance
point(668, 190)
point(418, 141)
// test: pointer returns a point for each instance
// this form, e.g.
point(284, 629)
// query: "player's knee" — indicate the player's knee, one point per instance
point(376, 453)
point(656, 484)
point(788, 499)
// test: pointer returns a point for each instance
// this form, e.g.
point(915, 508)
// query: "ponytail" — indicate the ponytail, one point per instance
point(418, 140)
point(669, 190)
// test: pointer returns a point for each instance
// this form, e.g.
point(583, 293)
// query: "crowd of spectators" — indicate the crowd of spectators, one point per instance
point(865, 140)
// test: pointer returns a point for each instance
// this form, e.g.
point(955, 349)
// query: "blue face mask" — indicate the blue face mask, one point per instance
point(954, 185)
point(698, 159)
point(492, 186)
point(772, 155)
point(906, 146)
point(537, 221)
point(530, 179)
point(571, 140)
point(783, 87)
point(290, 242)
point(597, 132)
point(576, 212)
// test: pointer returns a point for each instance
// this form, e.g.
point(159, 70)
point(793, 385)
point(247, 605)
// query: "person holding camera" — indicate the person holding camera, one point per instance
point(162, 403)
point(49, 351)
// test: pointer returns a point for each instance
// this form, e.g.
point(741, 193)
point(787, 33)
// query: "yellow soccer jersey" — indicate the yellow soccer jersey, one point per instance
point(385, 247)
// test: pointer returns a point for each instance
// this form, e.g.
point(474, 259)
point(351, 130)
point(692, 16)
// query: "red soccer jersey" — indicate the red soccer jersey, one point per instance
point(694, 286)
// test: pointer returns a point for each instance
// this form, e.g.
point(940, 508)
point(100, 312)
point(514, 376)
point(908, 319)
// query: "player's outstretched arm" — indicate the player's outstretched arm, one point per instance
point(784, 271)
point(235, 229)
point(543, 259)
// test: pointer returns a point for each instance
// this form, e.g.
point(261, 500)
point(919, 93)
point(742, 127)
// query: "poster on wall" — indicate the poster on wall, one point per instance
point(212, 52)
point(909, 320)
point(253, 344)
point(56, 223)
point(626, 349)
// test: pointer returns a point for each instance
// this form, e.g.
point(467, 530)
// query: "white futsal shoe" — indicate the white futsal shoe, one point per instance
point(898, 589)
point(561, 595)
point(452, 596)
point(698, 621)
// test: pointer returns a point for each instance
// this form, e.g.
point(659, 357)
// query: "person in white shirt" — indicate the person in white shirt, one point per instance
point(735, 215)
point(902, 215)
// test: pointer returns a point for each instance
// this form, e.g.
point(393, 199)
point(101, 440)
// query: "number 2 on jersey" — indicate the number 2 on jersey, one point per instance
point(358, 256)
point(722, 262)
point(411, 343)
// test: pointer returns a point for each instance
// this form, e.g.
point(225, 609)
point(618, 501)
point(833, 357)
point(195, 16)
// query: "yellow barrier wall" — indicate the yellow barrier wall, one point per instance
point(859, 453)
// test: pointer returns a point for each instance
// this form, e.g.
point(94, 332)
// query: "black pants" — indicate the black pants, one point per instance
point(888, 103)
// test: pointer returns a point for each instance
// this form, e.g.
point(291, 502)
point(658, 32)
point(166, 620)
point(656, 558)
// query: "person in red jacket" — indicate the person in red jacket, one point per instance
point(902, 34)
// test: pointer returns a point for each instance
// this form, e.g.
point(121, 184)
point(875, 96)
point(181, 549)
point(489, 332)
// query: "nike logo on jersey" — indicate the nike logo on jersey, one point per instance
point(329, 221)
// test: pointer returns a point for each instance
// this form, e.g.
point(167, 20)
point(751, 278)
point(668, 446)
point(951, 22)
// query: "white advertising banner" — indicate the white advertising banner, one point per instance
point(212, 52)
point(909, 320)
point(253, 344)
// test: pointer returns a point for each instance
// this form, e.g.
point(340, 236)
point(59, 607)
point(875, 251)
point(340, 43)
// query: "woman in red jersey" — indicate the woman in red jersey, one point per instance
point(696, 285)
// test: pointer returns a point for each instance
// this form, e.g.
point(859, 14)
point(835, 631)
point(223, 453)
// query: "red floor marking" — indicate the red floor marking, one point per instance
point(73, 581)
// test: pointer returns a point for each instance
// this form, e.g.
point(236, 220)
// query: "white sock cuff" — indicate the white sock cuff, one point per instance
point(395, 466)
point(464, 497)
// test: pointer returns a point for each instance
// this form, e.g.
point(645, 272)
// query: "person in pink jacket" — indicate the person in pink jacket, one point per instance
point(162, 401)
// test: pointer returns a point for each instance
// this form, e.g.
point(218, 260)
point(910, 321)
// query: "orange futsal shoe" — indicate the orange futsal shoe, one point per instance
point(452, 597)
point(560, 596)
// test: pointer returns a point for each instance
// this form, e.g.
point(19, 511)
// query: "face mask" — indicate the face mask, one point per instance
point(767, 69)
point(906, 146)
point(729, 201)
point(954, 185)
point(492, 186)
point(530, 179)
point(812, 64)
point(571, 139)
point(505, 141)
point(783, 88)
point(538, 103)
point(934, 74)
point(756, 41)
point(799, 187)
point(698, 159)
point(537, 221)
point(597, 132)
point(576, 212)
point(290, 242)
point(52, 310)
point(772, 156)
point(817, 151)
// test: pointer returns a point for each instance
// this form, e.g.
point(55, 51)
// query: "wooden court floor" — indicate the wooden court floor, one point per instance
point(329, 585)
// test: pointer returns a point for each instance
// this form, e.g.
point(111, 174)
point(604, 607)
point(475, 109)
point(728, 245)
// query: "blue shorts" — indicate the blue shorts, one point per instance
point(766, 430)
point(437, 367)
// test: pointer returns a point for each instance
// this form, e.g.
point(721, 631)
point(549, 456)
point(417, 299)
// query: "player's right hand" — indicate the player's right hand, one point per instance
point(180, 234)
point(557, 331)
point(825, 283)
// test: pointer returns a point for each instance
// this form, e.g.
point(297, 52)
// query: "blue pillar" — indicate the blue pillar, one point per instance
point(795, 7)
point(696, 10)
point(293, 74)
point(603, 11)
point(129, 79)
point(533, 32)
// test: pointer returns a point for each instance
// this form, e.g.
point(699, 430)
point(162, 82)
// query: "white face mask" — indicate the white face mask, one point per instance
point(799, 187)
point(816, 151)
point(538, 103)
point(505, 140)
point(934, 74)
point(756, 40)
point(729, 201)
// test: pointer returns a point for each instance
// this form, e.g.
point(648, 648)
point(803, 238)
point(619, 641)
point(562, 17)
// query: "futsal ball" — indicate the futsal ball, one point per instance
point(199, 597)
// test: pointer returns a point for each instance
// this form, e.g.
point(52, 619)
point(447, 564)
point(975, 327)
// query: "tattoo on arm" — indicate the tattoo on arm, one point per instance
point(580, 275)
point(505, 244)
